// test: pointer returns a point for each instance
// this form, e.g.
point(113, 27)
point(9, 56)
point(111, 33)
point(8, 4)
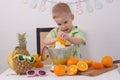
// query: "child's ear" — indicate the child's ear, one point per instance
point(72, 16)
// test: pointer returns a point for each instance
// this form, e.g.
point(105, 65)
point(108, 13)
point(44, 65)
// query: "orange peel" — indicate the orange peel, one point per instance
point(61, 41)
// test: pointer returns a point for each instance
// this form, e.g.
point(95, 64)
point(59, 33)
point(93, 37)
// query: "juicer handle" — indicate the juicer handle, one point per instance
point(42, 53)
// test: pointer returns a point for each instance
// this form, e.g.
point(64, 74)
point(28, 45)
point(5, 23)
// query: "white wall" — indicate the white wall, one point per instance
point(101, 29)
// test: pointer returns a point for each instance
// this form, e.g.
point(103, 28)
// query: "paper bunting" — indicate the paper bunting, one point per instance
point(78, 6)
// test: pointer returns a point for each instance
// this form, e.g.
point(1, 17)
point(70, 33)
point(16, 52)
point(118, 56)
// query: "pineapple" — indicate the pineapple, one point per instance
point(20, 67)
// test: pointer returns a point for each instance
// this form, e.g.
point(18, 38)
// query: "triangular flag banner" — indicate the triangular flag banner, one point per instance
point(78, 6)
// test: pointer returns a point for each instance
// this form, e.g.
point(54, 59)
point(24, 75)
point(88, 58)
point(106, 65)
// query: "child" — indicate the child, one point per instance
point(63, 17)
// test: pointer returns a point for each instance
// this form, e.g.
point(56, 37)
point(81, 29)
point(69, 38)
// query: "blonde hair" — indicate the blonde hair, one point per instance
point(60, 9)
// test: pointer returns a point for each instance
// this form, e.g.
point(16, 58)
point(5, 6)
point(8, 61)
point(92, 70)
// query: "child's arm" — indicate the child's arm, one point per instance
point(49, 41)
point(75, 40)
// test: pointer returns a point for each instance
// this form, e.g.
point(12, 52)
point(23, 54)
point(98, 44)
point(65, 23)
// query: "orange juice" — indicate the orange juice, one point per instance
point(59, 61)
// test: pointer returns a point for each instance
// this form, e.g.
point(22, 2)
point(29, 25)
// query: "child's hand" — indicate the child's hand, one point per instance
point(63, 35)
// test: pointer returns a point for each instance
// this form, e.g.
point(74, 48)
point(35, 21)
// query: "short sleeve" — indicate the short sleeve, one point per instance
point(52, 33)
point(79, 34)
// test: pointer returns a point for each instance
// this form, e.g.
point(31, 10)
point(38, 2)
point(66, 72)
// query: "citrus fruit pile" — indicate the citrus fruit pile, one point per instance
point(106, 61)
point(74, 66)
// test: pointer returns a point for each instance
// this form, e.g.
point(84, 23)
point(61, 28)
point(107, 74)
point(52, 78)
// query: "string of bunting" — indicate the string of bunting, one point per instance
point(76, 5)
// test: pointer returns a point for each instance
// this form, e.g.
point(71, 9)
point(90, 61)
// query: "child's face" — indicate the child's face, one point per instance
point(65, 23)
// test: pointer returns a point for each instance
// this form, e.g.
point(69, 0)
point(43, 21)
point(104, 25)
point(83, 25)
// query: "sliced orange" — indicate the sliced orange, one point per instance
point(61, 41)
point(59, 70)
point(88, 61)
point(82, 66)
point(72, 70)
point(97, 65)
point(72, 61)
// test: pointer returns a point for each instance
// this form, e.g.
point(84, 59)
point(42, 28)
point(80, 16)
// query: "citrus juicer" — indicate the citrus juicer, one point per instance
point(58, 54)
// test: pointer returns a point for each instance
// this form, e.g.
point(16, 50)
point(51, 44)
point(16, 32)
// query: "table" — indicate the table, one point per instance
point(11, 75)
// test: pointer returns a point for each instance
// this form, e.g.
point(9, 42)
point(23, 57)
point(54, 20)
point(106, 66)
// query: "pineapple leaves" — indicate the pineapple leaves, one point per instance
point(21, 37)
point(22, 40)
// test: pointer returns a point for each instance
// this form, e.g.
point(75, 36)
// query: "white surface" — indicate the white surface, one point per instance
point(101, 27)
point(10, 75)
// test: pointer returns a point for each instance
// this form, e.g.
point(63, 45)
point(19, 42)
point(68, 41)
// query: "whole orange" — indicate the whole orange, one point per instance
point(97, 65)
point(72, 61)
point(107, 61)
point(59, 70)
point(88, 61)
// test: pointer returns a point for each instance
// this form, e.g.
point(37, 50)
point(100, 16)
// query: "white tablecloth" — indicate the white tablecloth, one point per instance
point(11, 75)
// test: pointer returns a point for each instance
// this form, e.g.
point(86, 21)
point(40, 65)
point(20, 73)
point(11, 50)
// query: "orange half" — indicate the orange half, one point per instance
point(82, 66)
point(72, 70)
